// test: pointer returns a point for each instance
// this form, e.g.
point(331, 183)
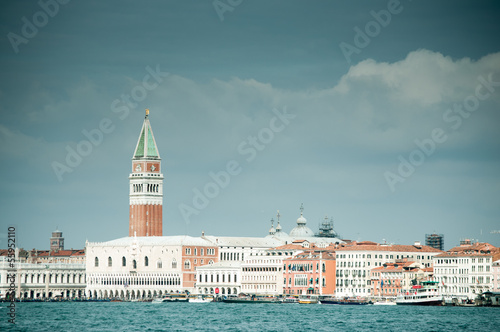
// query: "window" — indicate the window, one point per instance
point(110, 262)
point(195, 251)
point(187, 265)
point(188, 251)
point(134, 264)
point(174, 264)
point(96, 262)
point(201, 251)
point(146, 261)
point(158, 264)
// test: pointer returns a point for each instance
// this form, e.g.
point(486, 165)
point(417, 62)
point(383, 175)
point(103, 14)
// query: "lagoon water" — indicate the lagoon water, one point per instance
point(141, 316)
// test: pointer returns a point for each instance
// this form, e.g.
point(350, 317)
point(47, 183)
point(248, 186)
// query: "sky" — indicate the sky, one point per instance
point(380, 115)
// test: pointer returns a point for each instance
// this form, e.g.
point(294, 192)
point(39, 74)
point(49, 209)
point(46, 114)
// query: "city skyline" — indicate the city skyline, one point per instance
point(381, 115)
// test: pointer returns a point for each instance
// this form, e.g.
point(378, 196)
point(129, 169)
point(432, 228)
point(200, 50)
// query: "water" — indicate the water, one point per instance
point(140, 316)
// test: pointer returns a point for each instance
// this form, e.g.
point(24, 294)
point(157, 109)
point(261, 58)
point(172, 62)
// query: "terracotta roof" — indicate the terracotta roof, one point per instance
point(477, 249)
point(312, 256)
point(381, 247)
point(288, 247)
point(48, 253)
point(392, 267)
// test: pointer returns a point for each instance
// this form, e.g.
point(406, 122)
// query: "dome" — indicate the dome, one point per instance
point(301, 220)
point(301, 231)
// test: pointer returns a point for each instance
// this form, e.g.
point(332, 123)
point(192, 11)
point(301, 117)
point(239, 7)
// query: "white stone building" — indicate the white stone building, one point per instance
point(223, 278)
point(355, 261)
point(466, 271)
point(145, 267)
point(43, 281)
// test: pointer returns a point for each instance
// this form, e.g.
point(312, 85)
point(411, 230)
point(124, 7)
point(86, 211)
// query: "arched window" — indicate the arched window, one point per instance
point(158, 264)
point(134, 264)
point(146, 261)
point(110, 261)
point(124, 261)
point(187, 265)
point(174, 264)
point(96, 262)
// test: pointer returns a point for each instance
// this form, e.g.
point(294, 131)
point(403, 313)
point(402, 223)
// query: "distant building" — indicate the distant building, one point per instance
point(467, 270)
point(56, 241)
point(310, 272)
point(44, 274)
point(435, 241)
point(496, 275)
point(356, 260)
point(391, 279)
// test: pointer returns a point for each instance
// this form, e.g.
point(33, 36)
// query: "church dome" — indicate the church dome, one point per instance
point(301, 230)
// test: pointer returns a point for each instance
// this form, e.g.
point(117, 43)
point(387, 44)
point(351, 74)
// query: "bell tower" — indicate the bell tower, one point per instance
point(146, 186)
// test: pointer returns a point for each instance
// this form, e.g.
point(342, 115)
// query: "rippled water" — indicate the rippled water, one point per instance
point(137, 316)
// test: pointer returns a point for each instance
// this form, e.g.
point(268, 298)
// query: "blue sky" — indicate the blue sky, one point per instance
point(392, 132)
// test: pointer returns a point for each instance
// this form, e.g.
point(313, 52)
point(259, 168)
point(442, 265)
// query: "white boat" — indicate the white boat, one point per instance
point(172, 297)
point(386, 302)
point(200, 299)
point(424, 294)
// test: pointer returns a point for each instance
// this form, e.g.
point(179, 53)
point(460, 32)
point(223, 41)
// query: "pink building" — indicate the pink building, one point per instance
point(496, 275)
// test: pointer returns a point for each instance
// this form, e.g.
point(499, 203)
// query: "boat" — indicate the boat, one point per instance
point(250, 299)
point(200, 299)
point(344, 301)
point(385, 302)
point(424, 294)
point(308, 299)
point(173, 297)
point(290, 299)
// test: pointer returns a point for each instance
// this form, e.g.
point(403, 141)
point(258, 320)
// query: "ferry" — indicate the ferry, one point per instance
point(424, 294)
point(308, 299)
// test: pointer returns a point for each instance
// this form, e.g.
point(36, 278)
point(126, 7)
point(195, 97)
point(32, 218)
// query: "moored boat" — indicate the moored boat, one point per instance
point(344, 301)
point(291, 299)
point(424, 294)
point(173, 297)
point(200, 299)
point(250, 299)
point(308, 299)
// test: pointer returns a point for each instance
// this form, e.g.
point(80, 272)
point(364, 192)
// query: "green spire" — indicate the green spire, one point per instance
point(146, 146)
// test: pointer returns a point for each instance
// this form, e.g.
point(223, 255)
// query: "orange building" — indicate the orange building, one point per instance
point(194, 256)
point(310, 272)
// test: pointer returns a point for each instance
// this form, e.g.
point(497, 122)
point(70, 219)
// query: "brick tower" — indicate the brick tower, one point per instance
point(146, 186)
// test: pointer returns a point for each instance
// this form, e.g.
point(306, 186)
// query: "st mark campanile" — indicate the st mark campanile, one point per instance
point(146, 186)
